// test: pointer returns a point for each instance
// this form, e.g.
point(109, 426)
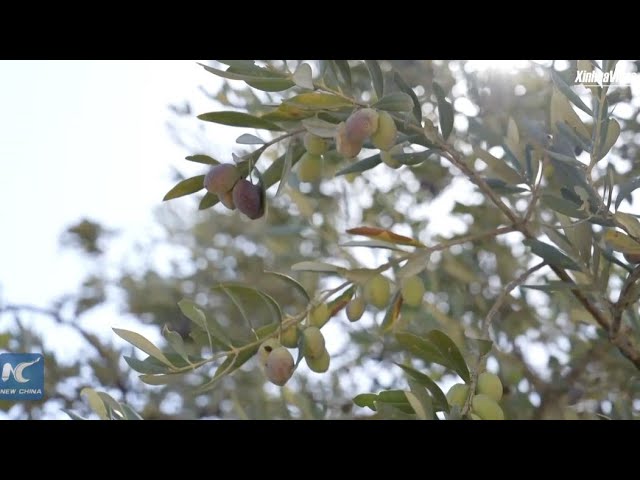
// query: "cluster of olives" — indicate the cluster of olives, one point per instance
point(278, 361)
point(364, 124)
point(484, 404)
point(377, 292)
point(234, 191)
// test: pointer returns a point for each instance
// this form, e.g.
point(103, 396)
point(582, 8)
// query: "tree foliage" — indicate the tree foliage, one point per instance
point(400, 227)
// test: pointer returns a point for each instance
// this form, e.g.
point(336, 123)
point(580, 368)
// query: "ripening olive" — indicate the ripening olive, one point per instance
point(345, 147)
point(457, 394)
point(221, 178)
point(226, 198)
point(486, 407)
point(314, 144)
point(385, 136)
point(319, 364)
point(377, 291)
point(490, 385)
point(280, 366)
point(248, 199)
point(313, 342)
point(355, 309)
point(413, 291)
point(310, 167)
point(632, 257)
point(266, 348)
point(361, 124)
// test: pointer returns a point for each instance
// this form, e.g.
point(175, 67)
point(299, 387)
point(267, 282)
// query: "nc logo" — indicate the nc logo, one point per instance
point(22, 376)
point(17, 371)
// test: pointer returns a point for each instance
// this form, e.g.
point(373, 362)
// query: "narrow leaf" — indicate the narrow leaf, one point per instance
point(424, 380)
point(291, 281)
point(239, 119)
point(361, 165)
point(345, 71)
point(185, 187)
point(366, 400)
point(385, 235)
point(206, 159)
point(422, 349)
point(286, 167)
point(551, 254)
point(498, 167)
point(319, 127)
point(621, 242)
point(314, 267)
point(415, 264)
point(75, 416)
point(144, 366)
point(393, 313)
point(377, 78)
point(445, 111)
point(143, 344)
point(372, 244)
point(95, 402)
point(176, 342)
point(449, 350)
point(130, 413)
point(319, 101)
point(248, 139)
point(302, 77)
point(417, 108)
point(395, 102)
point(626, 189)
point(630, 222)
point(569, 93)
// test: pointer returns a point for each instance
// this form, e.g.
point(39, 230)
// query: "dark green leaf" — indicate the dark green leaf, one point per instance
point(480, 345)
point(345, 71)
point(625, 190)
point(395, 102)
point(239, 119)
point(422, 349)
point(293, 282)
point(499, 186)
point(449, 350)
point(414, 158)
point(186, 187)
point(574, 137)
point(562, 205)
point(208, 201)
point(417, 108)
point(439, 397)
point(366, 400)
point(162, 379)
point(206, 159)
point(551, 254)
point(361, 165)
point(569, 93)
point(445, 111)
point(377, 79)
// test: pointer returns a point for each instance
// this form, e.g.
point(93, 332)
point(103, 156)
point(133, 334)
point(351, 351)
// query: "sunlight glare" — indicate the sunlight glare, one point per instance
point(502, 66)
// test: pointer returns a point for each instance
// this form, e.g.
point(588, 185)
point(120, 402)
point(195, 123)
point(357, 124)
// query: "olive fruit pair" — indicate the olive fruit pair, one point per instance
point(310, 164)
point(277, 361)
point(484, 404)
point(314, 350)
point(234, 191)
point(362, 124)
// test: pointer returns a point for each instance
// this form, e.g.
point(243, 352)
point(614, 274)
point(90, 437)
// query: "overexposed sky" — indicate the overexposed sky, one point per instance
point(81, 138)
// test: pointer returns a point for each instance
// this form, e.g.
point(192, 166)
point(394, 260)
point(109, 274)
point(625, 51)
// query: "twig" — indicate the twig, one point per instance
point(486, 324)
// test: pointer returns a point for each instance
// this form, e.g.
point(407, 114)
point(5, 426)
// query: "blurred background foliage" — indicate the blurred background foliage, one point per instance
point(553, 360)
